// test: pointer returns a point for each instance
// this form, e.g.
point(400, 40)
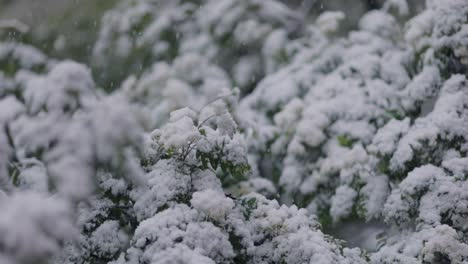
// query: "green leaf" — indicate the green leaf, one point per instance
point(395, 114)
point(204, 161)
point(14, 174)
point(202, 132)
point(224, 166)
point(344, 141)
point(383, 166)
point(214, 163)
point(249, 205)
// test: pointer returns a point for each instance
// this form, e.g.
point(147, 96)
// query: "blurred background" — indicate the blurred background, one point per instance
point(38, 12)
point(76, 21)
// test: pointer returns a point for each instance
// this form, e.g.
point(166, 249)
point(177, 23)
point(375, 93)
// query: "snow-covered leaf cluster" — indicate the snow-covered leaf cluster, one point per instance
point(239, 131)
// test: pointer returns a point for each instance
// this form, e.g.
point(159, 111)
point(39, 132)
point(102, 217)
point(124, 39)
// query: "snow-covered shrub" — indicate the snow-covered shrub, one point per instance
point(57, 133)
point(362, 128)
point(182, 214)
point(177, 165)
point(190, 81)
point(231, 33)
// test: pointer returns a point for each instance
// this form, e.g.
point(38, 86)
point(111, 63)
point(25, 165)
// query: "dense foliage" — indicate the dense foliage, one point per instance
point(237, 131)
